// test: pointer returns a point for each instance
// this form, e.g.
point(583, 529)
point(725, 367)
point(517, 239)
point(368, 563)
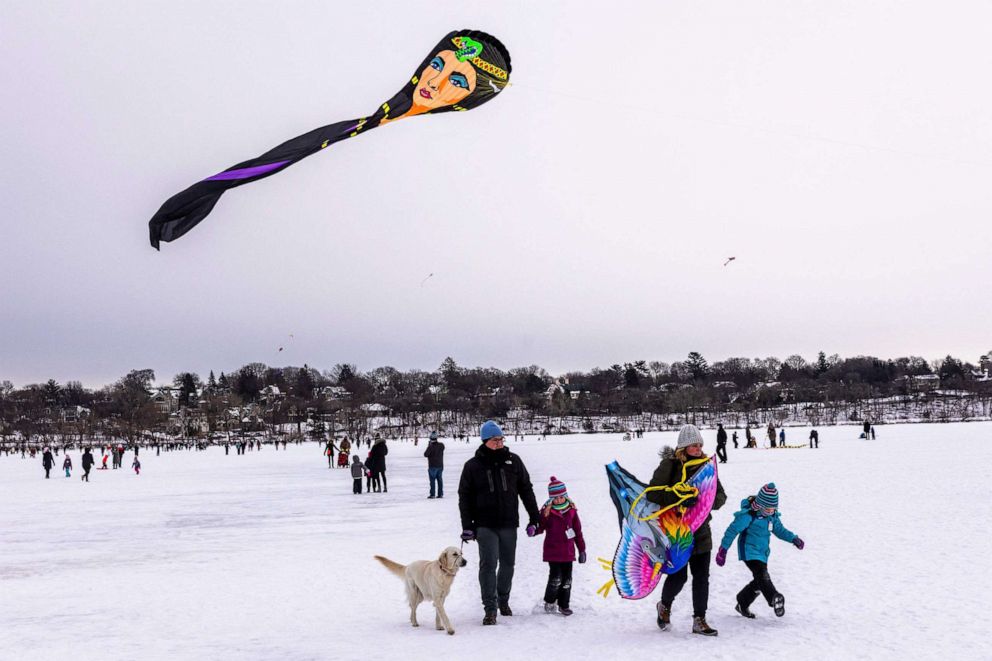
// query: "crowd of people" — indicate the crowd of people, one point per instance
point(495, 481)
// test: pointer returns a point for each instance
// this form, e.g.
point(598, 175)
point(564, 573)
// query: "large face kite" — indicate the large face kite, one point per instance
point(465, 69)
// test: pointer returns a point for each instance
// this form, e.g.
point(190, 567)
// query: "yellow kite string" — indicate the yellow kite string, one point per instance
point(682, 490)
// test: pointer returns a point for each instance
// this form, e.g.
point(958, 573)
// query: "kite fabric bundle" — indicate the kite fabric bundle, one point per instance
point(465, 69)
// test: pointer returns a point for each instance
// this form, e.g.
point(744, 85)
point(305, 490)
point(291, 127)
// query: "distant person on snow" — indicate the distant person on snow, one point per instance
point(771, 434)
point(781, 437)
point(668, 474)
point(867, 428)
point(562, 534)
point(814, 439)
point(357, 470)
point(873, 432)
point(87, 465)
point(136, 465)
point(368, 472)
point(47, 462)
point(491, 483)
point(734, 439)
point(756, 521)
point(435, 466)
point(721, 443)
point(377, 464)
point(67, 465)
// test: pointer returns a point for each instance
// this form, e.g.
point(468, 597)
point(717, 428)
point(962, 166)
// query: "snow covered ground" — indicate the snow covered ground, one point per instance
point(269, 556)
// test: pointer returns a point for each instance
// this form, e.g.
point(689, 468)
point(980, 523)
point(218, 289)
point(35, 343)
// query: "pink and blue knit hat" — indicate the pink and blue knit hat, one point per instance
point(767, 497)
point(556, 488)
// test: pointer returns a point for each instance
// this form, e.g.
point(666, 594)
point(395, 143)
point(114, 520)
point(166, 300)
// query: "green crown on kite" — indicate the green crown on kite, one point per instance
point(470, 49)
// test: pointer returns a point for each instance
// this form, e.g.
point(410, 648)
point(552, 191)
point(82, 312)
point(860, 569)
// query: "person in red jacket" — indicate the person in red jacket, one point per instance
point(563, 532)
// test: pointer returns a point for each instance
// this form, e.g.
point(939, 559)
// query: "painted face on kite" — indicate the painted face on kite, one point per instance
point(444, 82)
point(464, 70)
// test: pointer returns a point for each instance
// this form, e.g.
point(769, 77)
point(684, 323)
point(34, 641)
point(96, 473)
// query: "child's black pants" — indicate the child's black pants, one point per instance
point(559, 584)
point(760, 584)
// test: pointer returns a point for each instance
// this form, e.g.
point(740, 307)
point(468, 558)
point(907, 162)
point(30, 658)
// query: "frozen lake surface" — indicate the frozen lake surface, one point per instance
point(269, 555)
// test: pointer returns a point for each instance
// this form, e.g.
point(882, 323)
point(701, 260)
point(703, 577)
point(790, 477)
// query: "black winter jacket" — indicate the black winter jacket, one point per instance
point(669, 472)
point(490, 485)
point(377, 458)
point(721, 436)
point(87, 460)
point(435, 454)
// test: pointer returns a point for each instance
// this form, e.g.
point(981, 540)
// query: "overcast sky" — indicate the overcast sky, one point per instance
point(841, 151)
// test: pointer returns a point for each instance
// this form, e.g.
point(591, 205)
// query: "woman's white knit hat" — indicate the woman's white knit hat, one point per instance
point(689, 435)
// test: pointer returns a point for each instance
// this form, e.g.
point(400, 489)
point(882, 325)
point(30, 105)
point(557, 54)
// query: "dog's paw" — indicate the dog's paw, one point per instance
point(439, 628)
point(451, 632)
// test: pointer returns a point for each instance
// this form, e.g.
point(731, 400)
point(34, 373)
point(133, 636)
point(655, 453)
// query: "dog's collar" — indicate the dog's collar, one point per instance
point(449, 573)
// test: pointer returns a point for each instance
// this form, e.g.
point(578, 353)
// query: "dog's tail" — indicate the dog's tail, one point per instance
point(394, 567)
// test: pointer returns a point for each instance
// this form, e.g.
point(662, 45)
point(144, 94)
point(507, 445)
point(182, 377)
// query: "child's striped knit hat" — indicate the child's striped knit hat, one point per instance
point(556, 488)
point(767, 496)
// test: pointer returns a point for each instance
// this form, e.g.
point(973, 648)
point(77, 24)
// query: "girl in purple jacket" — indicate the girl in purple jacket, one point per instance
point(560, 522)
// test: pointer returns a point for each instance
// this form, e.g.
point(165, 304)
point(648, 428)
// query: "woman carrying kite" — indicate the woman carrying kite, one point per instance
point(677, 466)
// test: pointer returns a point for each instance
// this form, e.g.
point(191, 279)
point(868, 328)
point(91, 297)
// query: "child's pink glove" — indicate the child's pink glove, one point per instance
point(721, 557)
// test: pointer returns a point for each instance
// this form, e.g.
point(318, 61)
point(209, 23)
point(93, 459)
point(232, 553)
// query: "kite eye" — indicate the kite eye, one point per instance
point(437, 63)
point(458, 80)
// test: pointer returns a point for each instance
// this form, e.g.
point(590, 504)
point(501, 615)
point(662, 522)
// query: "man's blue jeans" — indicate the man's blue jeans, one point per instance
point(435, 476)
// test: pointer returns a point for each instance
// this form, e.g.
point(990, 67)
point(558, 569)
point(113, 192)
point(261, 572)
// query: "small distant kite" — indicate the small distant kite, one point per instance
point(466, 69)
point(729, 259)
point(290, 337)
point(426, 279)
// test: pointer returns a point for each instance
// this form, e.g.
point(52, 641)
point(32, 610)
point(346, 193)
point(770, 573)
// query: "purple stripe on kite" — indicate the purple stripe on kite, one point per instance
point(244, 173)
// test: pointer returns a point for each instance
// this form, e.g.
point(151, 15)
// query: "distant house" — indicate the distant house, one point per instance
point(563, 387)
point(335, 392)
point(374, 409)
point(919, 382)
point(271, 394)
point(73, 414)
point(165, 399)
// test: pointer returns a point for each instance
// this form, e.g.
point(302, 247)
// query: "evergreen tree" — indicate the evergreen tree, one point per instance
point(52, 391)
point(211, 381)
point(697, 365)
point(821, 363)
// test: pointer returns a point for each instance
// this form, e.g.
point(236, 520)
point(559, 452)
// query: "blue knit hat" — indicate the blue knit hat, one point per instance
point(556, 488)
point(767, 496)
point(433, 435)
point(489, 430)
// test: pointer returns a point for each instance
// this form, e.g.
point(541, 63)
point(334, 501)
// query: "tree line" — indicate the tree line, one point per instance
point(275, 396)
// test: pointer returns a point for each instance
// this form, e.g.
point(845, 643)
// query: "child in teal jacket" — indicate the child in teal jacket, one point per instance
point(757, 520)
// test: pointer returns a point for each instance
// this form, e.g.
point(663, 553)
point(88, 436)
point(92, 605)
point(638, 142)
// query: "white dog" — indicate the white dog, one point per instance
point(429, 580)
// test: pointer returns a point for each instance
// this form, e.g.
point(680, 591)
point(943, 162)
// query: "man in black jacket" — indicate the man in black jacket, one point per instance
point(435, 465)
point(47, 462)
point(721, 443)
point(490, 485)
point(87, 464)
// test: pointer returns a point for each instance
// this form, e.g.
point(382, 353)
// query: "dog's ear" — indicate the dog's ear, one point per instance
point(444, 560)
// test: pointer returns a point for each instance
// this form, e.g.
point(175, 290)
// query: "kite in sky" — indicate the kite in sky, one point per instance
point(465, 69)
point(729, 259)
